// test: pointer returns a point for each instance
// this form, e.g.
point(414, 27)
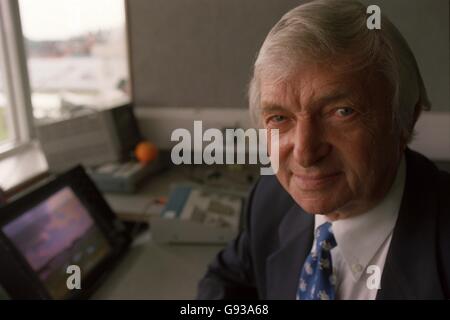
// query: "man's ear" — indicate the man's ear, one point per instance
point(417, 112)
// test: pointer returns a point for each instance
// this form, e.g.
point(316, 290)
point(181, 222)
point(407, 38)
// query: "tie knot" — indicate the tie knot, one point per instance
point(325, 238)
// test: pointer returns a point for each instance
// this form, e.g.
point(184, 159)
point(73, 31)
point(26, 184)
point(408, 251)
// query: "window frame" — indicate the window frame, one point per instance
point(14, 64)
point(16, 79)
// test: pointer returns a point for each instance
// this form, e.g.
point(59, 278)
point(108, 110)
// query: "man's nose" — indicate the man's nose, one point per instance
point(309, 146)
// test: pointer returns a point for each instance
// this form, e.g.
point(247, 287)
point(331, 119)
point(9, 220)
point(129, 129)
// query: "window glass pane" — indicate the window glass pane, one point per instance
point(77, 54)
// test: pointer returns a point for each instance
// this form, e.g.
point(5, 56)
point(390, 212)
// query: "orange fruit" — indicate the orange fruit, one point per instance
point(145, 152)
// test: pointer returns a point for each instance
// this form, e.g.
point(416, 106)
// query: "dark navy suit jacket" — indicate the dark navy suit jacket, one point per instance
point(265, 260)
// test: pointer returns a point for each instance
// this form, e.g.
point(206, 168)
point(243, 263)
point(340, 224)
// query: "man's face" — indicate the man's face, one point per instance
point(339, 151)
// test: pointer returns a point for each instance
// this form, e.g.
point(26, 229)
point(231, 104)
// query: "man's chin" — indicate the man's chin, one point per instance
point(315, 209)
point(317, 205)
point(322, 201)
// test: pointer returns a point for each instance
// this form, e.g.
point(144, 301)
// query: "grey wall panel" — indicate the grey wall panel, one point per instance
point(425, 25)
point(198, 53)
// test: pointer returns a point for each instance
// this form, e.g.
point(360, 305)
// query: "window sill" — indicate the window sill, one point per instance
point(9, 149)
point(21, 168)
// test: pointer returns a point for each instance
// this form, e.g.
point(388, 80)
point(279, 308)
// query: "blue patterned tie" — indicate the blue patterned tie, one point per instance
point(316, 279)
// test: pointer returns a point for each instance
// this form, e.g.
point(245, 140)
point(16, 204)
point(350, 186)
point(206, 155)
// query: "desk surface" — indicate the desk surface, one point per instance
point(235, 179)
point(163, 271)
point(155, 271)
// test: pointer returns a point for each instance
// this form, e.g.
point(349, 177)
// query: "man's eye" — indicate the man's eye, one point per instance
point(277, 119)
point(345, 112)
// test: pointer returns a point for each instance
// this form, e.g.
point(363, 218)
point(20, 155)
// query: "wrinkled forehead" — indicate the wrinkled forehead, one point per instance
point(307, 82)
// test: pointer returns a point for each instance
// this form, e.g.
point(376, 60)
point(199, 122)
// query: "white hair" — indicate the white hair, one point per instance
point(323, 30)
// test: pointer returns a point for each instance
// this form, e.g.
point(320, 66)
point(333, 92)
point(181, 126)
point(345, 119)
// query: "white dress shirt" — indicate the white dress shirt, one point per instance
point(363, 242)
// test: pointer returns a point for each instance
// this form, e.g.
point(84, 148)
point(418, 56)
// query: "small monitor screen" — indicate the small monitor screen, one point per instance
point(57, 233)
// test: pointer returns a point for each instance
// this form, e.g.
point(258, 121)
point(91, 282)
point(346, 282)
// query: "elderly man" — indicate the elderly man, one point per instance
point(352, 212)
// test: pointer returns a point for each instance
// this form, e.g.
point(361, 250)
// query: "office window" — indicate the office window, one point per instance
point(77, 54)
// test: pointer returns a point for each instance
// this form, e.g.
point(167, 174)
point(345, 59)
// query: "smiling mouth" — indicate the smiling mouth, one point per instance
point(315, 182)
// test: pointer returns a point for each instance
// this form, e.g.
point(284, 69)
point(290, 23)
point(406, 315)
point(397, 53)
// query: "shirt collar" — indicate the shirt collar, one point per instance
point(360, 237)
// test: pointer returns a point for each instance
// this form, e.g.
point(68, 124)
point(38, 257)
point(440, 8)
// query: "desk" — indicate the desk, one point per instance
point(154, 271)
point(163, 271)
point(234, 179)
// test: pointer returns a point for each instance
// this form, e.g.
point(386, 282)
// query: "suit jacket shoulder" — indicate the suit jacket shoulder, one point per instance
point(417, 263)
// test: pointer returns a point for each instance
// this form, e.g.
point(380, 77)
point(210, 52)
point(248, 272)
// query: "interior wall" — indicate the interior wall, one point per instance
point(199, 53)
point(425, 25)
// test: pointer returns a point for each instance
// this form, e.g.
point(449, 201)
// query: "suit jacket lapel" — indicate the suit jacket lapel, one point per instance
point(411, 270)
point(284, 265)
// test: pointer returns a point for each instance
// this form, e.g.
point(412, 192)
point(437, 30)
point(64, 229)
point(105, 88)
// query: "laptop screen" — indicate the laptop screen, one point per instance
point(54, 234)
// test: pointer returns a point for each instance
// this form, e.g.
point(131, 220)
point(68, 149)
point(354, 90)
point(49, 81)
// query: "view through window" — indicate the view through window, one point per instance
point(77, 54)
